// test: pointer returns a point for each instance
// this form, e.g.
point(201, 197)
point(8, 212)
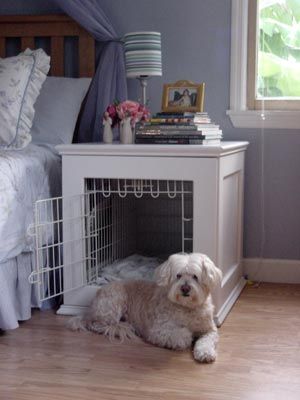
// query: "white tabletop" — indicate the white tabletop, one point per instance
point(155, 150)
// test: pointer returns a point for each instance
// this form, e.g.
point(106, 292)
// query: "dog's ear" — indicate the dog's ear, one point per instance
point(211, 275)
point(163, 274)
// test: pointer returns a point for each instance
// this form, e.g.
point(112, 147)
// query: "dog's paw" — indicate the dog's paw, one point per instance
point(204, 354)
point(76, 324)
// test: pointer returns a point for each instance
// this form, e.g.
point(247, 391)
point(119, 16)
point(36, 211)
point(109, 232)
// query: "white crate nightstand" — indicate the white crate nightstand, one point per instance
point(157, 199)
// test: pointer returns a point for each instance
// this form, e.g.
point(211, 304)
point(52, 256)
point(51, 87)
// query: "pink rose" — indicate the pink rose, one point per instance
point(130, 106)
point(120, 111)
point(111, 109)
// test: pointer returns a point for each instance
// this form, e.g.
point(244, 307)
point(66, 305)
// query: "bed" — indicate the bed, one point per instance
point(34, 172)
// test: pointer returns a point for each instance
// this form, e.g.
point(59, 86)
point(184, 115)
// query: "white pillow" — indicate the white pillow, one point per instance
point(21, 78)
point(57, 109)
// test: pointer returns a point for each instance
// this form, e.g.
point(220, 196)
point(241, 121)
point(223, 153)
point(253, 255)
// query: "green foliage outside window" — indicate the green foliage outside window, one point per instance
point(279, 49)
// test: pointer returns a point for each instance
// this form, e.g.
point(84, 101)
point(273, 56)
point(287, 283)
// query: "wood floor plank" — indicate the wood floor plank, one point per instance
point(258, 358)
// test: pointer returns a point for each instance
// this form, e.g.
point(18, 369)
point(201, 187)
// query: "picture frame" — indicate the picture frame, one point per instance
point(183, 96)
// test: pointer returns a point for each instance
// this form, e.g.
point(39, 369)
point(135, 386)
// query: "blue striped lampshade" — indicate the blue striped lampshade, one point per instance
point(142, 54)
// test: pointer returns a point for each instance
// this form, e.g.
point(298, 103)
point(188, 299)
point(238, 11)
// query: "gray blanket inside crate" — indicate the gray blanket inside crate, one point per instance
point(132, 267)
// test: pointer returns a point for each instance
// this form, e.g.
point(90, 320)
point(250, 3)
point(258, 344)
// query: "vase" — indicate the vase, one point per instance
point(126, 134)
point(107, 134)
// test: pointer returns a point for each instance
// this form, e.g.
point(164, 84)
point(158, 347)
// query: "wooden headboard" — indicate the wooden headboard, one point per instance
point(55, 27)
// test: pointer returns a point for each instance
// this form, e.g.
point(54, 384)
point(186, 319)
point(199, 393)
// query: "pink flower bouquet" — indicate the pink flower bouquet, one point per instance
point(128, 108)
point(111, 112)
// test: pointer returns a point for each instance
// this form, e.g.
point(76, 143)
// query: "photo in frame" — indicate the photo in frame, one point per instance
point(183, 96)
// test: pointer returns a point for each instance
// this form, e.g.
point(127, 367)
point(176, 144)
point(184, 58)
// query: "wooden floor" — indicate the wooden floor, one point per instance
point(259, 358)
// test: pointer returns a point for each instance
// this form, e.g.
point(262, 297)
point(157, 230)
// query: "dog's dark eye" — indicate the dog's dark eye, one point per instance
point(179, 276)
point(195, 277)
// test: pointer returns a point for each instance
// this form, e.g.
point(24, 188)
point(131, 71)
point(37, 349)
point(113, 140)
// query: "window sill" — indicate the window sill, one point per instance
point(272, 119)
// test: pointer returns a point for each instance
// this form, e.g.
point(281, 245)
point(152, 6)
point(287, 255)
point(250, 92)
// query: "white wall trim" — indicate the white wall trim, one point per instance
point(239, 115)
point(229, 303)
point(238, 70)
point(272, 270)
point(71, 310)
point(265, 119)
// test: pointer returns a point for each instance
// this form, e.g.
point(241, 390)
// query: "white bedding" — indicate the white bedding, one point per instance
point(26, 175)
point(133, 267)
point(17, 295)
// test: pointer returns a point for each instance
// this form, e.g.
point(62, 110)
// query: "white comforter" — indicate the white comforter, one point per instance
point(25, 176)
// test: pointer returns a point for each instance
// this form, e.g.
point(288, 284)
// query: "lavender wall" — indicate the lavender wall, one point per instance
point(196, 46)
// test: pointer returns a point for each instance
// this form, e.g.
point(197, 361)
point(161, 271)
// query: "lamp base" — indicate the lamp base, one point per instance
point(144, 82)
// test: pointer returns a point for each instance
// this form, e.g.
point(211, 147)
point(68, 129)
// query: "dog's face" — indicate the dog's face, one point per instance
point(189, 278)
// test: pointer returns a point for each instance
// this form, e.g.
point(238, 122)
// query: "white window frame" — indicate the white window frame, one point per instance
point(240, 115)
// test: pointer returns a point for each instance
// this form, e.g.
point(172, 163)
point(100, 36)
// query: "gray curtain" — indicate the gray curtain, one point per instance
point(109, 82)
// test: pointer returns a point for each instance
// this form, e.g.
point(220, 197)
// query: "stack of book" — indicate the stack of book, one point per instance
point(181, 128)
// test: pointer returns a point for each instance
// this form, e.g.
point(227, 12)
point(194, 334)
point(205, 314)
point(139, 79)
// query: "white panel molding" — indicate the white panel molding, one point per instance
point(228, 304)
point(239, 115)
point(272, 270)
point(238, 70)
point(271, 119)
point(71, 310)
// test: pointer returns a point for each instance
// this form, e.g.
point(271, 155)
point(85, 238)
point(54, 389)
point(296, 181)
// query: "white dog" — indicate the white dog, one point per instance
point(171, 312)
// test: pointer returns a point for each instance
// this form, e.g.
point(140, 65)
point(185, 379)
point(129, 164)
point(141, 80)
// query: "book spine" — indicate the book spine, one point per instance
point(166, 127)
point(208, 128)
point(170, 121)
point(203, 120)
point(176, 127)
point(165, 115)
point(172, 137)
point(175, 115)
point(172, 141)
point(210, 131)
point(181, 132)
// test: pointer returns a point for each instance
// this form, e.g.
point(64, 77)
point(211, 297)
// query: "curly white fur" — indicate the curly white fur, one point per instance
point(171, 312)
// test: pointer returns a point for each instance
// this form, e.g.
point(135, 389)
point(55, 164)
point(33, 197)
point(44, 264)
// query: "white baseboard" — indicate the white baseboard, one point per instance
point(70, 310)
point(231, 299)
point(272, 270)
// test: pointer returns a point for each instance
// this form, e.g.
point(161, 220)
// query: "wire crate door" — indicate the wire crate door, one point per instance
point(63, 237)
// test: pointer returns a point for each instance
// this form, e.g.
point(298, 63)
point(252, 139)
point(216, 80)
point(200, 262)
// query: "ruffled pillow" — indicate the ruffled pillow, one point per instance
point(21, 79)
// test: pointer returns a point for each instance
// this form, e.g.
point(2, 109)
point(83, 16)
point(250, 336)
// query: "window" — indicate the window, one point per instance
point(265, 64)
point(274, 54)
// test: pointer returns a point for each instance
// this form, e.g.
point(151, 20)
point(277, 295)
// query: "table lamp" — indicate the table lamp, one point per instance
point(143, 57)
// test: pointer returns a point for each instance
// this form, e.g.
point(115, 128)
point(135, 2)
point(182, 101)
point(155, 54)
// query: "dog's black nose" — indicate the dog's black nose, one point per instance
point(185, 289)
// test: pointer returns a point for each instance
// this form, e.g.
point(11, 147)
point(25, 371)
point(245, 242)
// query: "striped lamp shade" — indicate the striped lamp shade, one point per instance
point(142, 54)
